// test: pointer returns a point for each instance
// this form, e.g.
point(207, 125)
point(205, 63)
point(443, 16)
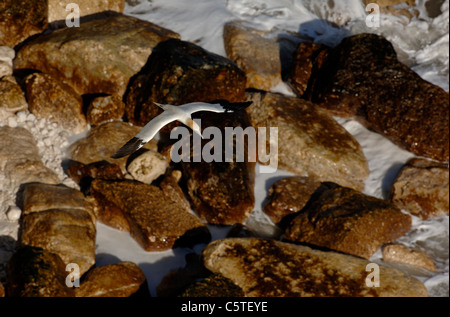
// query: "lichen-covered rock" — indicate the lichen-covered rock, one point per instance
point(422, 188)
point(257, 56)
point(12, 98)
point(55, 101)
point(345, 220)
point(156, 222)
point(289, 195)
point(19, 158)
point(215, 285)
point(103, 141)
point(269, 268)
point(34, 272)
point(362, 78)
point(100, 56)
point(180, 72)
point(123, 279)
point(20, 19)
point(399, 253)
point(310, 143)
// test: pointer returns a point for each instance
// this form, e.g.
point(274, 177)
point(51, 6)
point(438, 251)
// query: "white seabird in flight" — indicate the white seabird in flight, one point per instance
point(171, 113)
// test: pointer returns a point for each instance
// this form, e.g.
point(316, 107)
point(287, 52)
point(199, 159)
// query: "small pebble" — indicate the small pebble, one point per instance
point(13, 213)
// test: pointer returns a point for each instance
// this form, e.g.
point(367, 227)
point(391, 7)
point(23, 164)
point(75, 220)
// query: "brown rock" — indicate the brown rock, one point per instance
point(6, 57)
point(289, 195)
point(56, 102)
point(342, 219)
point(180, 72)
point(105, 108)
point(20, 19)
point(100, 56)
point(399, 253)
point(60, 220)
point(103, 141)
point(34, 272)
point(221, 192)
point(115, 280)
point(156, 222)
point(257, 56)
point(173, 191)
point(19, 158)
point(363, 78)
point(308, 58)
point(267, 268)
point(2, 290)
point(215, 285)
point(57, 8)
point(83, 173)
point(422, 188)
point(310, 143)
point(12, 99)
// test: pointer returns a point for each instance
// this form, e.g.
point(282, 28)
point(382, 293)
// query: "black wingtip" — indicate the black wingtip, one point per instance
point(234, 106)
point(130, 147)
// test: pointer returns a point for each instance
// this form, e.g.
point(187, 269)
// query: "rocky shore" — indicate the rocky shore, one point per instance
point(101, 79)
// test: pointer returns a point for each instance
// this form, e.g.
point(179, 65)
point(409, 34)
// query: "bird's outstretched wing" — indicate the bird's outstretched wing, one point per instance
point(146, 134)
point(218, 106)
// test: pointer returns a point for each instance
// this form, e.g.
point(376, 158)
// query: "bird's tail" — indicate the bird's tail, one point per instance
point(130, 147)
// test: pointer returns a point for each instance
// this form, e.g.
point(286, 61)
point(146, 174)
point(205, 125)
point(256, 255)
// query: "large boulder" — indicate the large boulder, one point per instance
point(100, 56)
point(268, 268)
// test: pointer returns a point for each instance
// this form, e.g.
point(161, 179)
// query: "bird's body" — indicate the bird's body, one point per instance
point(175, 113)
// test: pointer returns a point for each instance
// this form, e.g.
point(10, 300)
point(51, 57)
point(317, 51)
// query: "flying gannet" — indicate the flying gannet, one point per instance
point(179, 113)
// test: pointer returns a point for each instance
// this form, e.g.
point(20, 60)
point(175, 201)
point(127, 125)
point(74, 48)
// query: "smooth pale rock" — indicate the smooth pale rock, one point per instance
point(6, 57)
point(289, 195)
point(55, 101)
point(12, 98)
point(156, 222)
point(221, 192)
point(268, 268)
point(399, 253)
point(310, 142)
point(19, 158)
point(180, 72)
point(20, 19)
point(345, 220)
point(100, 56)
point(57, 8)
point(147, 167)
point(362, 78)
point(60, 220)
point(104, 140)
point(422, 188)
point(34, 272)
point(105, 108)
point(257, 56)
point(115, 280)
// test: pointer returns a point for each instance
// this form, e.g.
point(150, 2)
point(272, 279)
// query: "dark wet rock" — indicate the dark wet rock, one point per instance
point(100, 56)
point(123, 279)
point(103, 141)
point(310, 142)
point(221, 192)
point(83, 174)
point(215, 285)
point(345, 220)
point(363, 78)
point(256, 55)
point(60, 220)
point(156, 222)
point(180, 72)
point(20, 19)
point(105, 108)
point(399, 253)
point(268, 268)
point(55, 101)
point(20, 161)
point(422, 188)
point(288, 196)
point(35, 272)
